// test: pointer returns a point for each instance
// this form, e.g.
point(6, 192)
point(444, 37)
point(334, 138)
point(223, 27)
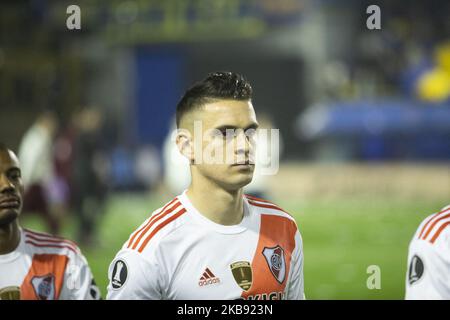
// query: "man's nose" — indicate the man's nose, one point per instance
point(242, 143)
point(5, 184)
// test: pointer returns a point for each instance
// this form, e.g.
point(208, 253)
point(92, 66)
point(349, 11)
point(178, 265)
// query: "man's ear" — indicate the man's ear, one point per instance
point(185, 144)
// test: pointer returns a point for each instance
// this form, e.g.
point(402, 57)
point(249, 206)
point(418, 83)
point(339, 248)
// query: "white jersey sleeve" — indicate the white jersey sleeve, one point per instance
point(296, 284)
point(79, 283)
point(428, 274)
point(133, 277)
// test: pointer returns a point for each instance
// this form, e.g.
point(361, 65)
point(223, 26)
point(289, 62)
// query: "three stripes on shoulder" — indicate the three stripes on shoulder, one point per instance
point(435, 225)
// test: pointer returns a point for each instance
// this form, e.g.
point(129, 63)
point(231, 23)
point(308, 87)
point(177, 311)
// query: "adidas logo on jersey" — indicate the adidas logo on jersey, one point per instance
point(208, 278)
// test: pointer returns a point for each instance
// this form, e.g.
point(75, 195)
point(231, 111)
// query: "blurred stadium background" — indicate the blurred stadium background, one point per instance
point(364, 117)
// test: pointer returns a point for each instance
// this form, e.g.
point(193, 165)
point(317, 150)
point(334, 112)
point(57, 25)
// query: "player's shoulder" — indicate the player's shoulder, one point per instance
point(44, 243)
point(157, 227)
point(262, 206)
point(435, 228)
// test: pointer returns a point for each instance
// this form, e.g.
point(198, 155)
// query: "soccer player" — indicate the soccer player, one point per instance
point(212, 241)
point(428, 275)
point(34, 265)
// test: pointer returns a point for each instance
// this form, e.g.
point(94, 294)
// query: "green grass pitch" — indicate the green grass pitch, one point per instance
point(341, 239)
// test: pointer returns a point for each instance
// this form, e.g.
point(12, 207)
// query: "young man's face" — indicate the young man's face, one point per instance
point(11, 187)
point(223, 140)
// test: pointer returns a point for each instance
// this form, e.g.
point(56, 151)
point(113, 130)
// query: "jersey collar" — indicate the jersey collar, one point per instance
point(4, 258)
point(205, 222)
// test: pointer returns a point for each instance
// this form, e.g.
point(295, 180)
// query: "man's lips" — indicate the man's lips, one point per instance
point(10, 203)
point(246, 163)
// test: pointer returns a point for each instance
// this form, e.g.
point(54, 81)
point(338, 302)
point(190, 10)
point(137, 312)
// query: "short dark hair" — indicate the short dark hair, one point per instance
point(217, 85)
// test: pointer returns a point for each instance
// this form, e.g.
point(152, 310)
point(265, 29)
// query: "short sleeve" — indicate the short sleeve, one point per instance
point(295, 285)
point(79, 283)
point(428, 273)
point(133, 277)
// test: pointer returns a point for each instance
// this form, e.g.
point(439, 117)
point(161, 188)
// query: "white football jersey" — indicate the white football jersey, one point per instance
point(178, 253)
point(45, 267)
point(428, 275)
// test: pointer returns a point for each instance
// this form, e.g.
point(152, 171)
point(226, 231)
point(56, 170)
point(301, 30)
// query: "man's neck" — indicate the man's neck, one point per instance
point(9, 237)
point(215, 203)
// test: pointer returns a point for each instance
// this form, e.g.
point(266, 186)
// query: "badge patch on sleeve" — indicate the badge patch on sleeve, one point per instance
point(119, 274)
point(416, 269)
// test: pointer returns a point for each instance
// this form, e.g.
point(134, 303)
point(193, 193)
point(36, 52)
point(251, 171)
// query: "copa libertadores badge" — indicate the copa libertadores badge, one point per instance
point(119, 274)
point(277, 264)
point(416, 269)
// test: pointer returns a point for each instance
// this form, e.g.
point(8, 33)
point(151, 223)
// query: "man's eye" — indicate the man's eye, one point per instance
point(220, 133)
point(250, 133)
point(228, 133)
point(15, 175)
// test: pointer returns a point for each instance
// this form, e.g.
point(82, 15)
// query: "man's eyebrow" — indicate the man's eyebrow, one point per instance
point(232, 127)
point(13, 169)
point(253, 126)
point(226, 127)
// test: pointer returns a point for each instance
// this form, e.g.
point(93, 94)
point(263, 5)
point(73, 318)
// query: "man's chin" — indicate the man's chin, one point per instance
point(8, 216)
point(241, 181)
